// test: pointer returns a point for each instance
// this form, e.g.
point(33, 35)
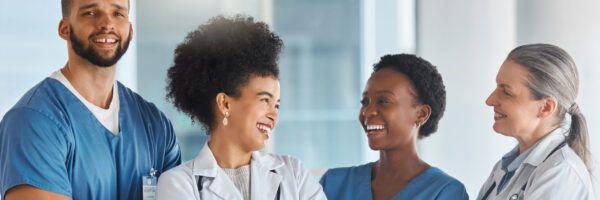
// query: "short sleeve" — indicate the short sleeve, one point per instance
point(172, 151)
point(33, 151)
point(453, 190)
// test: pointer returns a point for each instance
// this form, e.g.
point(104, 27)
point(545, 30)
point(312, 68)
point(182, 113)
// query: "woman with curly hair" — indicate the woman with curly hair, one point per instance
point(225, 76)
point(403, 101)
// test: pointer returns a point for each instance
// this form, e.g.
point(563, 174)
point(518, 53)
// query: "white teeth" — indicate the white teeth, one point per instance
point(498, 115)
point(105, 40)
point(375, 127)
point(264, 128)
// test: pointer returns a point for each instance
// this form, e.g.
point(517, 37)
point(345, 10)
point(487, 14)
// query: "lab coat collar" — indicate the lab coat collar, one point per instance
point(206, 165)
point(263, 181)
point(543, 148)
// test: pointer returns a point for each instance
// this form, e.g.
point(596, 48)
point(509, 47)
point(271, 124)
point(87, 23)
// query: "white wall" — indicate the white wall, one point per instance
point(574, 26)
point(468, 40)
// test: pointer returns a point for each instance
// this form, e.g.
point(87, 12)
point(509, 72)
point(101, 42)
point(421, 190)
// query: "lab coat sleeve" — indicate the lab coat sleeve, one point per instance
point(454, 190)
point(309, 187)
point(488, 183)
point(33, 151)
point(175, 185)
point(559, 181)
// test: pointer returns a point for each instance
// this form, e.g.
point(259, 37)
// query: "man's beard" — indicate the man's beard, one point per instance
point(93, 56)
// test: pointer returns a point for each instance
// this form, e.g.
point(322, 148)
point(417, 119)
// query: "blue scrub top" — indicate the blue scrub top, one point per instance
point(355, 183)
point(51, 141)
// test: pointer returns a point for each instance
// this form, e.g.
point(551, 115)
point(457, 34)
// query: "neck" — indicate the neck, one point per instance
point(402, 164)
point(227, 153)
point(94, 83)
point(526, 141)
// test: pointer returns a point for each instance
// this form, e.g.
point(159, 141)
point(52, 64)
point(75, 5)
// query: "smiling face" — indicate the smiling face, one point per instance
point(516, 112)
point(97, 30)
point(390, 111)
point(253, 115)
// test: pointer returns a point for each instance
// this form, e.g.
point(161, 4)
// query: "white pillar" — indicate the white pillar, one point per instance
point(467, 40)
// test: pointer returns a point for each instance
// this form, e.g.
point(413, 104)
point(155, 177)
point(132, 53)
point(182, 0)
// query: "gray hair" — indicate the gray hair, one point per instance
point(552, 72)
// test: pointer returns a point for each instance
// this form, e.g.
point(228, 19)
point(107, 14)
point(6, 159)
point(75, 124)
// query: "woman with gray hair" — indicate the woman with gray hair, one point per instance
point(536, 88)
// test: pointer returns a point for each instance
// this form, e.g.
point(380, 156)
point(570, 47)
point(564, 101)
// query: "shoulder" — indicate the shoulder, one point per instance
point(136, 104)
point(180, 175)
point(176, 183)
point(135, 99)
point(44, 98)
point(448, 186)
point(565, 163)
point(346, 174)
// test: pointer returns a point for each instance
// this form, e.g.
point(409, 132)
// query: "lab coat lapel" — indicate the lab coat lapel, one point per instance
point(205, 165)
point(263, 182)
point(222, 187)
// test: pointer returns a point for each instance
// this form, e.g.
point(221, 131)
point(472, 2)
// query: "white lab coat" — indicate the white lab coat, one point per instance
point(562, 176)
point(296, 183)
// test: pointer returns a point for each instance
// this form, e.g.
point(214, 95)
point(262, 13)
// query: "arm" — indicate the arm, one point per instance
point(28, 192)
point(172, 157)
point(33, 151)
point(309, 187)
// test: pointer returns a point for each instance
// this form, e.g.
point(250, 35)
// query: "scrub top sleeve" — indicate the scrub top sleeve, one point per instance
point(33, 151)
point(172, 151)
point(309, 187)
point(453, 190)
point(558, 182)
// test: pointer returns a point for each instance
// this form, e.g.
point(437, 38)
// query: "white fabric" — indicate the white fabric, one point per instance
point(295, 181)
point(109, 118)
point(562, 176)
point(241, 179)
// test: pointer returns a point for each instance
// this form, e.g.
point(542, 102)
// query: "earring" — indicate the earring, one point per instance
point(225, 121)
point(418, 124)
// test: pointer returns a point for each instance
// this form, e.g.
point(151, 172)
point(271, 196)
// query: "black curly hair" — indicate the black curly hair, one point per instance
point(220, 56)
point(426, 80)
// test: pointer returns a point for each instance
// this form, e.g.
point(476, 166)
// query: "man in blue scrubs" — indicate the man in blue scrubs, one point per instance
point(79, 133)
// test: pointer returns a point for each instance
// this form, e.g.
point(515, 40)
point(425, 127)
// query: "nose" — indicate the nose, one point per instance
point(491, 101)
point(106, 22)
point(273, 114)
point(368, 110)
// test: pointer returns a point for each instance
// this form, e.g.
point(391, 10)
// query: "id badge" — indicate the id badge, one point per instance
point(149, 186)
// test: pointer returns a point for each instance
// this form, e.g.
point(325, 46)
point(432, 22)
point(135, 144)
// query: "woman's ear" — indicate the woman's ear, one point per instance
point(222, 102)
point(548, 107)
point(423, 113)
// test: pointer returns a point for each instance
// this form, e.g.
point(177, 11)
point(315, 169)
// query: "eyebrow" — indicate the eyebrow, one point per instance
point(265, 93)
point(502, 85)
point(91, 5)
point(380, 91)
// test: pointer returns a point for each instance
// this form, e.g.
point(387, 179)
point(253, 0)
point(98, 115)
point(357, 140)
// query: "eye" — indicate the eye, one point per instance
point(505, 92)
point(382, 101)
point(119, 14)
point(89, 13)
point(277, 106)
point(364, 102)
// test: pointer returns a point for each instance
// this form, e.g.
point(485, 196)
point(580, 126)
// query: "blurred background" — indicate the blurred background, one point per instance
point(330, 47)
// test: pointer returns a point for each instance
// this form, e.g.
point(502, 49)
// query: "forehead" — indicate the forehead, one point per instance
point(389, 80)
point(258, 84)
point(512, 74)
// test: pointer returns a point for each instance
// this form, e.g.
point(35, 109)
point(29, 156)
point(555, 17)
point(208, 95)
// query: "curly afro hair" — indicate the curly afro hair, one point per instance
point(220, 56)
point(426, 80)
